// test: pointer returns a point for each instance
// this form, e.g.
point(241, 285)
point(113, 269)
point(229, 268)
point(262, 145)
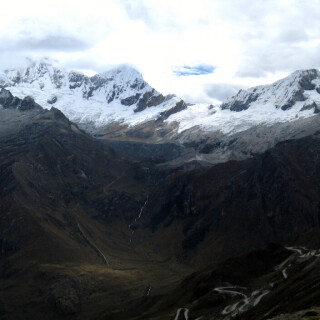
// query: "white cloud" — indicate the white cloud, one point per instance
point(248, 42)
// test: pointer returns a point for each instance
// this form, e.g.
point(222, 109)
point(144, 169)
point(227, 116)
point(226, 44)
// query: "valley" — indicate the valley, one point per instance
point(145, 220)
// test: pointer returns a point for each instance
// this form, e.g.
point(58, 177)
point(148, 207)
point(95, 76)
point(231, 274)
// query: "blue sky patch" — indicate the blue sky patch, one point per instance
point(197, 70)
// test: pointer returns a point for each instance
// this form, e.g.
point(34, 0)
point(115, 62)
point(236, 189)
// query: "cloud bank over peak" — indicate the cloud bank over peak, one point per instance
point(183, 47)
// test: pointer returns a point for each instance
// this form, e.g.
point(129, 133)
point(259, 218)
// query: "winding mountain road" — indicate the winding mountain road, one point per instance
point(245, 303)
point(185, 314)
point(248, 301)
point(298, 253)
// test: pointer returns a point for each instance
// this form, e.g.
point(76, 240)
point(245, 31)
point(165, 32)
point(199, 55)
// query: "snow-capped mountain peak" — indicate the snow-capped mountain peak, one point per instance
point(117, 95)
point(296, 96)
point(121, 95)
point(282, 94)
point(36, 70)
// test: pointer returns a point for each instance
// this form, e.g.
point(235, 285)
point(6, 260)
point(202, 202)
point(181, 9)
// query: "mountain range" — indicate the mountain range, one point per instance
point(122, 96)
point(120, 203)
point(120, 105)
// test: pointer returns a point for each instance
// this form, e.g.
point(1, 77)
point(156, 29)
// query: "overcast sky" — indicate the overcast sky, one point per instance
point(202, 50)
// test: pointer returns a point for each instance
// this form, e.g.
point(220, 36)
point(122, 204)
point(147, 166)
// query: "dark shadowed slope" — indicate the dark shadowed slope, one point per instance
point(66, 203)
point(85, 231)
point(232, 207)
